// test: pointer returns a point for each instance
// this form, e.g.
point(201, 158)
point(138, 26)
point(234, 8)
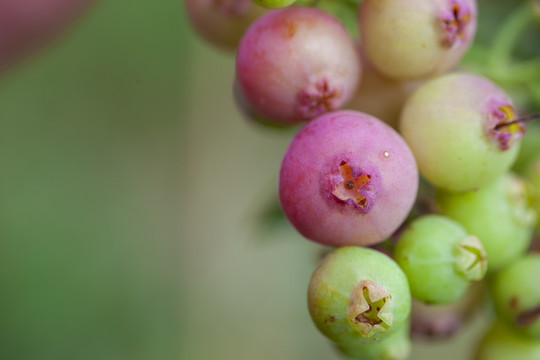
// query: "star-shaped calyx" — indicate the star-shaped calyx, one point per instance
point(370, 308)
point(471, 259)
point(501, 126)
point(318, 98)
point(349, 189)
point(455, 21)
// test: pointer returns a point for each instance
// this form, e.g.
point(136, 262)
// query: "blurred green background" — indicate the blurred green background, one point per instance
point(130, 190)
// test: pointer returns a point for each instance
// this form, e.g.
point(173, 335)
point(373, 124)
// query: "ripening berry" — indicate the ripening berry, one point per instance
point(222, 22)
point(358, 296)
point(515, 292)
point(297, 63)
point(455, 126)
point(347, 179)
point(416, 38)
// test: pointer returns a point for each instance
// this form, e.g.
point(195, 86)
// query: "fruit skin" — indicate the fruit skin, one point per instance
point(498, 214)
point(501, 343)
point(397, 346)
point(25, 27)
point(433, 251)
point(274, 3)
point(448, 124)
point(529, 152)
point(310, 172)
point(296, 63)
point(532, 174)
point(332, 291)
point(515, 292)
point(416, 38)
point(222, 23)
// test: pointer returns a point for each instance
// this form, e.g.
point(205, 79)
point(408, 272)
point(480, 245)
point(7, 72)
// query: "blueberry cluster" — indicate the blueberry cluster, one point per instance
point(384, 114)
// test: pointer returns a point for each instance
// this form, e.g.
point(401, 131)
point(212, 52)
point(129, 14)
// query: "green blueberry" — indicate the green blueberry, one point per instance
point(396, 347)
point(499, 214)
point(516, 294)
point(533, 176)
point(439, 259)
point(358, 296)
point(501, 343)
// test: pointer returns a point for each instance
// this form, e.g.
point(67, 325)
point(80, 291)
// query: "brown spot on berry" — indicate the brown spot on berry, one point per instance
point(528, 317)
point(513, 303)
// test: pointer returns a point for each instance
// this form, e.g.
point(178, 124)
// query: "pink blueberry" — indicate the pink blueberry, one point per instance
point(296, 63)
point(347, 179)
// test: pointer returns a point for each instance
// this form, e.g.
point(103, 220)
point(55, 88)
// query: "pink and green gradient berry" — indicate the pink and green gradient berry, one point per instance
point(416, 38)
point(296, 63)
point(358, 296)
point(347, 178)
point(455, 126)
point(502, 343)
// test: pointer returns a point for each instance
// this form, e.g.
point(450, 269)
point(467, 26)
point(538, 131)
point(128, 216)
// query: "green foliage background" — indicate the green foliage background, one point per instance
point(130, 194)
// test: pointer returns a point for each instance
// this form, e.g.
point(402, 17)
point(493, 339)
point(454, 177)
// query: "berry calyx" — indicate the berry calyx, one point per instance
point(349, 189)
point(318, 98)
point(471, 259)
point(369, 308)
point(502, 125)
point(455, 22)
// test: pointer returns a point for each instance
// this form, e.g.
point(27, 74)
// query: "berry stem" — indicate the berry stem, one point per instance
point(521, 119)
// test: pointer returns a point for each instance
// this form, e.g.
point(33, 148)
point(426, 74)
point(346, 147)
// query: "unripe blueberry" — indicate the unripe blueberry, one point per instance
point(416, 38)
point(358, 296)
point(502, 343)
point(222, 22)
point(296, 63)
point(532, 174)
point(516, 295)
point(440, 259)
point(455, 126)
point(347, 179)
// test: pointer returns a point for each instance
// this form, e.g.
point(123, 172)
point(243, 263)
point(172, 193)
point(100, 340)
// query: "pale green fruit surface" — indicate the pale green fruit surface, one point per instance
point(439, 258)
point(516, 294)
point(499, 214)
point(444, 122)
point(332, 296)
point(501, 343)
